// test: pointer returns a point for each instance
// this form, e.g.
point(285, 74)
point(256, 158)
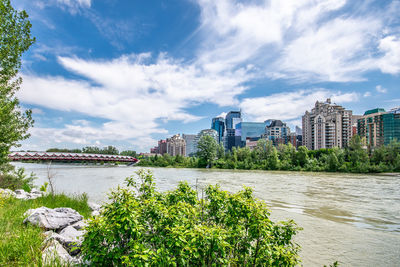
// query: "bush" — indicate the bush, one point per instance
point(142, 227)
point(21, 244)
point(17, 179)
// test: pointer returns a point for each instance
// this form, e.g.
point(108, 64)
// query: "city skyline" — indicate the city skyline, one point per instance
point(127, 74)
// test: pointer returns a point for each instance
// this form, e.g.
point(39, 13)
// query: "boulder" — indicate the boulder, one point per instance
point(69, 237)
point(94, 206)
point(79, 225)
point(72, 239)
point(52, 219)
point(95, 209)
point(55, 253)
point(95, 213)
point(36, 192)
point(5, 193)
point(21, 194)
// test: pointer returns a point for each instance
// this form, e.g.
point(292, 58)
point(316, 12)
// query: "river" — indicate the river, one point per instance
point(352, 218)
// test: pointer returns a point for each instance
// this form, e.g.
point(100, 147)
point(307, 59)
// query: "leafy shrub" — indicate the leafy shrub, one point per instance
point(142, 227)
point(17, 179)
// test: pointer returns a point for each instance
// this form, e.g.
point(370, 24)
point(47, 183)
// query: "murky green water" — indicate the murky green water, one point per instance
point(354, 219)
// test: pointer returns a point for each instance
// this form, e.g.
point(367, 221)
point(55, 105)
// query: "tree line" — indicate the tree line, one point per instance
point(265, 156)
point(108, 150)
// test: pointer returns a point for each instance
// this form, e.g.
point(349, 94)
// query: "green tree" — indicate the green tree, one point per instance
point(207, 149)
point(356, 153)
point(142, 227)
point(91, 150)
point(15, 39)
point(302, 156)
point(110, 150)
point(220, 151)
point(131, 153)
point(333, 162)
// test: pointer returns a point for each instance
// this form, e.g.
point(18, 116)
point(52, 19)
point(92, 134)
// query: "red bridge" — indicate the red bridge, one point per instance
point(74, 157)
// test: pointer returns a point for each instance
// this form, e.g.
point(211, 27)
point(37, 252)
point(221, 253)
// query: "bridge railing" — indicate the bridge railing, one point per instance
point(36, 156)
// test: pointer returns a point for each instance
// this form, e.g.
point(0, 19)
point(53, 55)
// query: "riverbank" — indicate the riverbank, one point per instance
point(353, 218)
point(266, 156)
point(373, 170)
point(21, 244)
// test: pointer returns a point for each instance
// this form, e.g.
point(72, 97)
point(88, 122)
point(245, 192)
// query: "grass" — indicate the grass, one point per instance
point(20, 244)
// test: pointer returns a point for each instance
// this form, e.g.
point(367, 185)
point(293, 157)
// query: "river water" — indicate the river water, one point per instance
point(351, 218)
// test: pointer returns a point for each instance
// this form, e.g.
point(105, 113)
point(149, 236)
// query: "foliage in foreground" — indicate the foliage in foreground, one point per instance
point(15, 39)
point(13, 179)
point(142, 227)
point(285, 157)
point(20, 244)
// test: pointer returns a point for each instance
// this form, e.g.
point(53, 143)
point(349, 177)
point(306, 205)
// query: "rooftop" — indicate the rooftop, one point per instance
point(375, 110)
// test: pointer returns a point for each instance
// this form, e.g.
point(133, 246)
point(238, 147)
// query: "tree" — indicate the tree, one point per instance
point(356, 153)
point(302, 155)
point(142, 227)
point(130, 153)
point(220, 151)
point(333, 162)
point(207, 149)
point(15, 39)
point(110, 150)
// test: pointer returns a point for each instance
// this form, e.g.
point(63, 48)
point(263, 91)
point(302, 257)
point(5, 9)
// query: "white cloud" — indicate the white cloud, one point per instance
point(305, 40)
point(367, 94)
point(390, 62)
point(132, 93)
point(221, 115)
point(380, 89)
point(239, 41)
point(74, 5)
point(37, 111)
point(290, 105)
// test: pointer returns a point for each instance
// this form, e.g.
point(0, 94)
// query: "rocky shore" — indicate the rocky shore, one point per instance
point(62, 227)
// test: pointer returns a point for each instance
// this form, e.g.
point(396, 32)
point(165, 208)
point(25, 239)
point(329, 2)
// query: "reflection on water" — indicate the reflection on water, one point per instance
point(354, 219)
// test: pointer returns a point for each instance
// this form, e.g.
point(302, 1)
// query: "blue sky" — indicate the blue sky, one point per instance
point(129, 72)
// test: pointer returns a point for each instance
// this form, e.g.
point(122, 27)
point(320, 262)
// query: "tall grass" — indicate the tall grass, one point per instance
point(20, 244)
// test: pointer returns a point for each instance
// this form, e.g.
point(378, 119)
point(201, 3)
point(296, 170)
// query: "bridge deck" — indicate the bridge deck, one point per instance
point(21, 156)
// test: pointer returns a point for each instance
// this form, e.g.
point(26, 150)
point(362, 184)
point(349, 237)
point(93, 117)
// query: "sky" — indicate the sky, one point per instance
point(128, 73)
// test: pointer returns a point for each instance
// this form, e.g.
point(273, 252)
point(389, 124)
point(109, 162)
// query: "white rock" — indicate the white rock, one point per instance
point(71, 234)
point(21, 194)
point(52, 219)
point(72, 239)
point(69, 237)
point(55, 253)
point(94, 206)
point(36, 191)
point(51, 236)
point(79, 225)
point(5, 193)
point(95, 213)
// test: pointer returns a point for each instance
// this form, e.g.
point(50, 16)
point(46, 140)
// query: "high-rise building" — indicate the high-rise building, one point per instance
point(233, 118)
point(327, 125)
point(379, 127)
point(370, 126)
point(230, 139)
point(218, 124)
point(249, 130)
point(299, 131)
point(277, 132)
point(176, 145)
point(162, 147)
point(190, 144)
point(391, 125)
